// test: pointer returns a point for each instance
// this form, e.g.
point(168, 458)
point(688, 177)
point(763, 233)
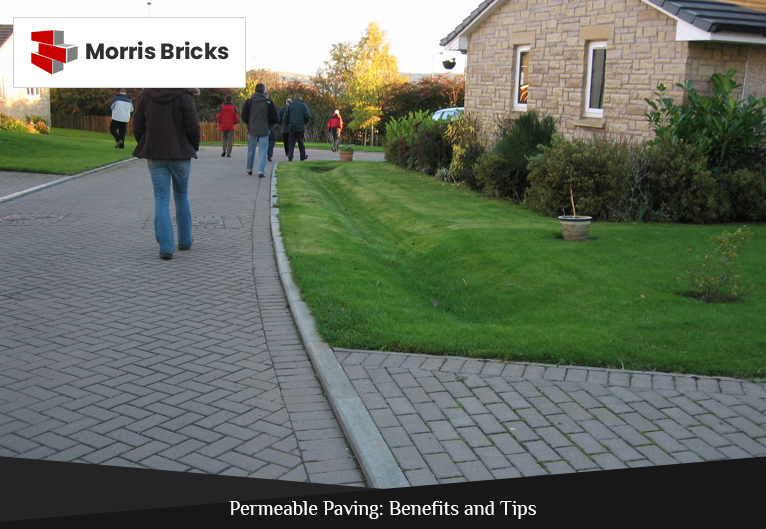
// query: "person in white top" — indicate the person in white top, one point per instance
point(121, 106)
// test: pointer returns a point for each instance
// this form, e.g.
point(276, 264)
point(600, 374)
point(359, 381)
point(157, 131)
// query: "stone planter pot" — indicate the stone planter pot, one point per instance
point(346, 156)
point(575, 227)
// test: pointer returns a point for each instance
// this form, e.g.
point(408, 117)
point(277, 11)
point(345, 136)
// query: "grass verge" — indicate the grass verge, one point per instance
point(393, 260)
point(63, 151)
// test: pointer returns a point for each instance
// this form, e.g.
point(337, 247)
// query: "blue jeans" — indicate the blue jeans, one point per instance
point(165, 172)
point(263, 146)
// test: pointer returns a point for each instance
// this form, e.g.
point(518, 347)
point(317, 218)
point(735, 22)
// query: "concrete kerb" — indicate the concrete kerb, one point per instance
point(62, 180)
point(374, 456)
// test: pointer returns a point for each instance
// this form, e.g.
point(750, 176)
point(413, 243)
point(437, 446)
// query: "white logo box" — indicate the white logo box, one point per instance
point(129, 52)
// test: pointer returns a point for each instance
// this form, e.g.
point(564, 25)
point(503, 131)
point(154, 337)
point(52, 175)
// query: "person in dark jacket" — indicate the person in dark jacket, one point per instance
point(166, 127)
point(297, 116)
point(258, 113)
point(284, 127)
point(227, 119)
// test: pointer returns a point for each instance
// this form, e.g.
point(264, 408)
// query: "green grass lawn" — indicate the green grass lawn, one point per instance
point(63, 151)
point(392, 260)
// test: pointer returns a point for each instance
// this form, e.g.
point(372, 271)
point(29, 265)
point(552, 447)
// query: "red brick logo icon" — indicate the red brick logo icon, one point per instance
point(52, 53)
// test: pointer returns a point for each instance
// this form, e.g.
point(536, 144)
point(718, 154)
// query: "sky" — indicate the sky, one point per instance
point(297, 36)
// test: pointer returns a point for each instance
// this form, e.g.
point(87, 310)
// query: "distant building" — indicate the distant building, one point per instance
point(19, 102)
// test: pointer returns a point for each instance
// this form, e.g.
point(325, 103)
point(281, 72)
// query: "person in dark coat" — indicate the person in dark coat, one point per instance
point(166, 127)
point(258, 113)
point(297, 116)
point(284, 127)
point(227, 119)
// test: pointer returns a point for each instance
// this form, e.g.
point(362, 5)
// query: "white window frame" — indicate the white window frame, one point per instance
point(33, 92)
point(517, 106)
point(593, 112)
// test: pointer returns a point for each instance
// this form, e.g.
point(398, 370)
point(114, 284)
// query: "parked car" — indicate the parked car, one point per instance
point(448, 113)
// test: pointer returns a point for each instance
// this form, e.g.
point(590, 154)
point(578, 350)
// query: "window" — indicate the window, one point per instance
point(33, 92)
point(522, 79)
point(594, 86)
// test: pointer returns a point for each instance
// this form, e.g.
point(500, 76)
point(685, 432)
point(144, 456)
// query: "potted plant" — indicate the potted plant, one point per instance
point(449, 63)
point(346, 152)
point(574, 227)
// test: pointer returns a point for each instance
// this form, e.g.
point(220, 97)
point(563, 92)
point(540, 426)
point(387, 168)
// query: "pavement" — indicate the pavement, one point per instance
point(211, 363)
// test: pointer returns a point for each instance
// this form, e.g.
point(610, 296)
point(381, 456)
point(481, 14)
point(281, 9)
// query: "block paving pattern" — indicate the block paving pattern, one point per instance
point(449, 419)
point(110, 355)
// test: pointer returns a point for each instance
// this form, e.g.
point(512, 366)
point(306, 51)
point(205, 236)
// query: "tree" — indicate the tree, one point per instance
point(374, 68)
point(335, 75)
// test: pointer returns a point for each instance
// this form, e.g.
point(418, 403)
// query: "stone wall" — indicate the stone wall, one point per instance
point(641, 53)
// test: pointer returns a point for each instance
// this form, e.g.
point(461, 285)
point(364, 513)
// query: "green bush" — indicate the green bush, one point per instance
point(37, 119)
point(463, 167)
point(730, 132)
point(714, 277)
point(681, 186)
point(519, 139)
point(747, 190)
point(490, 174)
point(12, 124)
point(430, 149)
point(598, 171)
point(465, 136)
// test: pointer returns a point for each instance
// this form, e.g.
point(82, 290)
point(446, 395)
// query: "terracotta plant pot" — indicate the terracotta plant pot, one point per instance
point(346, 156)
point(575, 227)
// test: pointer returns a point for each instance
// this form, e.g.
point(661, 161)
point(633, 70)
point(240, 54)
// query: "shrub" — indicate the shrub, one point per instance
point(598, 172)
point(466, 137)
point(730, 132)
point(714, 277)
point(430, 148)
point(41, 127)
point(464, 165)
point(747, 190)
point(397, 151)
point(680, 185)
point(519, 139)
point(37, 119)
point(12, 124)
point(490, 174)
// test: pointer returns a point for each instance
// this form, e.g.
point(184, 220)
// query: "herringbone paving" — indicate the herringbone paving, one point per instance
point(452, 419)
point(110, 355)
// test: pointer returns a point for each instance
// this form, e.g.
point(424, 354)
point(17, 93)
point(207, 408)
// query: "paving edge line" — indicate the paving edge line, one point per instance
point(61, 180)
point(371, 450)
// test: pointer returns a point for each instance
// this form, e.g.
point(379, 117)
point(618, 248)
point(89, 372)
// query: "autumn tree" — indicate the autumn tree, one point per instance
point(373, 69)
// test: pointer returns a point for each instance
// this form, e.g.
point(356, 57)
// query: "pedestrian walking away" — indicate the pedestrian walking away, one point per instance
point(227, 119)
point(272, 132)
point(166, 127)
point(121, 106)
point(284, 127)
point(258, 113)
point(335, 127)
point(297, 116)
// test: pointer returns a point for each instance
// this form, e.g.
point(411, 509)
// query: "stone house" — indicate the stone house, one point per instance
point(19, 102)
point(591, 63)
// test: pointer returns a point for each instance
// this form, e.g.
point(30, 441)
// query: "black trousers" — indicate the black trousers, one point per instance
point(301, 147)
point(118, 130)
point(286, 141)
